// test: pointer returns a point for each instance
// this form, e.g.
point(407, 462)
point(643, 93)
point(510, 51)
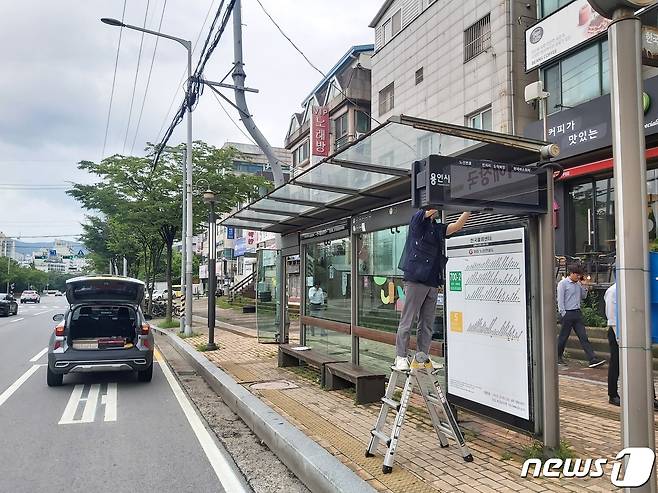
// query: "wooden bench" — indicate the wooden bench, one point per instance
point(288, 356)
point(370, 385)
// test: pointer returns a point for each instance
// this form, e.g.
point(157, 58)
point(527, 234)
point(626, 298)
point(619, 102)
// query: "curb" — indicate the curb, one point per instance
point(320, 471)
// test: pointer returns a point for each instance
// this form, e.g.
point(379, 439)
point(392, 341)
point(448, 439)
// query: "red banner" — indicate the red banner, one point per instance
point(320, 131)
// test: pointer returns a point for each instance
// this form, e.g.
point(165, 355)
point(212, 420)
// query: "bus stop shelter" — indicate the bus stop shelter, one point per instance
point(343, 217)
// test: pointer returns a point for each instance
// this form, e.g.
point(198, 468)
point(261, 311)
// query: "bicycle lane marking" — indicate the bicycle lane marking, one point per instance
point(20, 381)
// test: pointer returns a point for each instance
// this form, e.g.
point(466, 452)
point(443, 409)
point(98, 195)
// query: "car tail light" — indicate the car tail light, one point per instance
point(57, 345)
point(146, 328)
point(59, 330)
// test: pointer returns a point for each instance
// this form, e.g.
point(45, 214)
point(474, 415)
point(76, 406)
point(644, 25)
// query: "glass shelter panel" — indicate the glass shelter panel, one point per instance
point(295, 192)
point(267, 299)
point(337, 176)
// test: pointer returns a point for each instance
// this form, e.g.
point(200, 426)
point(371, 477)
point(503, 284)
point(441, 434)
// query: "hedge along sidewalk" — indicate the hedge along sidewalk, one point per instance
point(313, 465)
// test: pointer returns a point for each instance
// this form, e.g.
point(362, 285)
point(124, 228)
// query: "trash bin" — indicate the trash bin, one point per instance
point(653, 293)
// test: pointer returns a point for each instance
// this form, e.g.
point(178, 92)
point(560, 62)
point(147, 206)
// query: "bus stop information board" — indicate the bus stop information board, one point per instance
point(487, 325)
point(439, 181)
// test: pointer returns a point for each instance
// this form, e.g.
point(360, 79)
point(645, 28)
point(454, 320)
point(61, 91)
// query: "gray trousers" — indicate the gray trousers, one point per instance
point(420, 304)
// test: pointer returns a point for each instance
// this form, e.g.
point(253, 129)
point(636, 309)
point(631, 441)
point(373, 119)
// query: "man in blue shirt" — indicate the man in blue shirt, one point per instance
point(570, 293)
point(422, 262)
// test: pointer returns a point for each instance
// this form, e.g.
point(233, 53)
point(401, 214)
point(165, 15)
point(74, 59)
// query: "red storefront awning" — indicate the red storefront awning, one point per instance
point(598, 166)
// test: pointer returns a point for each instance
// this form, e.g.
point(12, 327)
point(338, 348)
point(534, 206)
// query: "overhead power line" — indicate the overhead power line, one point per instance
point(148, 79)
point(219, 101)
point(194, 85)
point(139, 60)
point(182, 76)
point(114, 78)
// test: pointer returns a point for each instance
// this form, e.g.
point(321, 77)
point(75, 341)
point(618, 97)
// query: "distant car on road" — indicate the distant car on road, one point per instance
point(8, 305)
point(30, 296)
point(103, 329)
point(58, 293)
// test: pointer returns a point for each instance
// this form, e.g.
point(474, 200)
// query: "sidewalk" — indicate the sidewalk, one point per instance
point(588, 423)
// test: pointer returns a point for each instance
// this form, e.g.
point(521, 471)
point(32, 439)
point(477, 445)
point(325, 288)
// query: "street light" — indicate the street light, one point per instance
point(209, 200)
point(186, 278)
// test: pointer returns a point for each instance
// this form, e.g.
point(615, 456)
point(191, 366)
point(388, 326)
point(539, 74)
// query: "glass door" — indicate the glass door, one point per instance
point(267, 299)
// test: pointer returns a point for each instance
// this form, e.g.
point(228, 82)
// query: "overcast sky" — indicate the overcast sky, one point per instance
point(57, 68)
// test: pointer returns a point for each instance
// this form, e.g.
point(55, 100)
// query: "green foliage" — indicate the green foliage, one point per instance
point(507, 455)
point(182, 335)
point(169, 324)
point(136, 209)
point(591, 310)
point(29, 278)
point(538, 451)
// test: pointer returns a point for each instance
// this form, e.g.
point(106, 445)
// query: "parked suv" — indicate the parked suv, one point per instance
point(103, 329)
point(30, 296)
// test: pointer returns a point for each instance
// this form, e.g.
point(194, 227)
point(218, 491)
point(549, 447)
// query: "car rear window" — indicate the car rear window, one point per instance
point(109, 290)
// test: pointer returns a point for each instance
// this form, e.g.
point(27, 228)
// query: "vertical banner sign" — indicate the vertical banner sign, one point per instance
point(230, 233)
point(320, 131)
point(487, 333)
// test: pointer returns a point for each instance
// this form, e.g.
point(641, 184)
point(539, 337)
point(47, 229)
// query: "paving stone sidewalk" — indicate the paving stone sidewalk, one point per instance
point(588, 423)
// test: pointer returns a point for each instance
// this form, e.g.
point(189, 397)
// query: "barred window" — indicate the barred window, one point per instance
point(419, 75)
point(477, 38)
point(386, 99)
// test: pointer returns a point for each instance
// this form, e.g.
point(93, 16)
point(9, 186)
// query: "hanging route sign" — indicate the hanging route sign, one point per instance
point(487, 325)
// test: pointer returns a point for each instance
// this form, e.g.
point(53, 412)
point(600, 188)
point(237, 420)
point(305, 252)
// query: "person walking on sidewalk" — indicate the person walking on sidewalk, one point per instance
point(423, 263)
point(570, 293)
point(316, 303)
point(610, 299)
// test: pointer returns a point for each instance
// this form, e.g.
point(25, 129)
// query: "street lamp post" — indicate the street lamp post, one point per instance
point(187, 175)
point(209, 199)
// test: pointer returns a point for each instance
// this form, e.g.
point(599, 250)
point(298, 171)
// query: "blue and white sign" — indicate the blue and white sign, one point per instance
point(230, 233)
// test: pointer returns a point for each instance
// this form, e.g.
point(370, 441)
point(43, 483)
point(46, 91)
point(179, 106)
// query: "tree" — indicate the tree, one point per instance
point(142, 206)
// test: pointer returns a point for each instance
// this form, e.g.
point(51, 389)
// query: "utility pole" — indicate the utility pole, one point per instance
point(241, 101)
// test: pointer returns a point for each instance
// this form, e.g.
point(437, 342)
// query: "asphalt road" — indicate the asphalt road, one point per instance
point(101, 432)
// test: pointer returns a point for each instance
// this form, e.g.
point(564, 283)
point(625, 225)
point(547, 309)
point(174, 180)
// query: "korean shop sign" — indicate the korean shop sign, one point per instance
point(320, 131)
point(587, 127)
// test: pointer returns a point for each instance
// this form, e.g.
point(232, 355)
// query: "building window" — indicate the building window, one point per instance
point(550, 6)
point(386, 99)
point(477, 38)
point(340, 131)
point(480, 120)
point(419, 75)
point(300, 154)
point(392, 26)
point(578, 77)
point(362, 122)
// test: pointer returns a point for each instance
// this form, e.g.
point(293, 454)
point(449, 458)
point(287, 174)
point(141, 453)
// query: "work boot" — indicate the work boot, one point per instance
point(401, 364)
point(615, 401)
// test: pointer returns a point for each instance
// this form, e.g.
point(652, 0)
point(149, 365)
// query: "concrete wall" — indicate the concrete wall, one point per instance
point(452, 89)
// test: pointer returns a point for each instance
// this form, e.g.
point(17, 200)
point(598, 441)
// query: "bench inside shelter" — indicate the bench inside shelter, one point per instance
point(289, 356)
point(370, 385)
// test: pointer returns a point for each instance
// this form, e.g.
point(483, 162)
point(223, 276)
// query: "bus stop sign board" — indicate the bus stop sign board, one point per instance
point(477, 184)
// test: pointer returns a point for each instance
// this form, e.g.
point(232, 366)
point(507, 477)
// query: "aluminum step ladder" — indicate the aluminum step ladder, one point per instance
point(425, 376)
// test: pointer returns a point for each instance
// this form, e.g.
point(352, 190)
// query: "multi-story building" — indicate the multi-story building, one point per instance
point(456, 61)
point(569, 46)
point(7, 246)
point(236, 248)
point(61, 257)
point(345, 92)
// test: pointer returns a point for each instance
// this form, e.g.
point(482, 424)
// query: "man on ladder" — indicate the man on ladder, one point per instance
point(423, 264)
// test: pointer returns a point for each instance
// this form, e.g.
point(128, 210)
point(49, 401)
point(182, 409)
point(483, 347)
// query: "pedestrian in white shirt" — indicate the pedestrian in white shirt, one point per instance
point(315, 303)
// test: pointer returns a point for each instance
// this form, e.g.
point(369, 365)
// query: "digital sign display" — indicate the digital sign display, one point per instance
point(440, 181)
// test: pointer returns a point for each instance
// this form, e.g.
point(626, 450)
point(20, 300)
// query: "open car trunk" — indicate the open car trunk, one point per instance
point(103, 327)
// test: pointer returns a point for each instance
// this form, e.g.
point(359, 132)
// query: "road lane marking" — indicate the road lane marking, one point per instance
point(109, 400)
point(90, 402)
point(17, 320)
point(223, 470)
point(45, 311)
point(15, 386)
point(38, 355)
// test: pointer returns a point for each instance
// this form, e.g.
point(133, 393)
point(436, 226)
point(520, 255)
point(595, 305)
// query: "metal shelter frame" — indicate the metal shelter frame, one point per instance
point(374, 172)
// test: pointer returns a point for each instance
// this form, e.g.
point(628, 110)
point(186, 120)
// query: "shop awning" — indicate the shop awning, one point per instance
point(374, 171)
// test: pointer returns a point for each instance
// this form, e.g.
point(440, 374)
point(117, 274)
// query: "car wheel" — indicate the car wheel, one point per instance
point(145, 375)
point(54, 379)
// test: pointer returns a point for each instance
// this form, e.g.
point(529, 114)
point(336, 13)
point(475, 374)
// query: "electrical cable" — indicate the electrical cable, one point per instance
point(114, 78)
point(139, 60)
point(182, 77)
point(148, 79)
point(232, 120)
